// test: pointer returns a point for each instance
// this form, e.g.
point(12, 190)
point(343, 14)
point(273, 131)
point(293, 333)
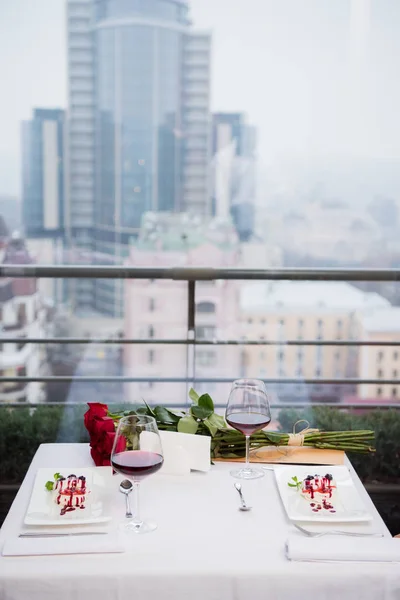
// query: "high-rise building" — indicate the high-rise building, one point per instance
point(234, 148)
point(43, 173)
point(139, 131)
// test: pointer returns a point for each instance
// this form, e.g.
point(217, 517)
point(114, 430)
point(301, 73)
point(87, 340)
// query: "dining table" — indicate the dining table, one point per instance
point(204, 547)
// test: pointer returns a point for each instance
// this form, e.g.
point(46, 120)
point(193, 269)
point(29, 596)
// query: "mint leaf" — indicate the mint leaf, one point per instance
point(292, 485)
point(57, 476)
point(49, 485)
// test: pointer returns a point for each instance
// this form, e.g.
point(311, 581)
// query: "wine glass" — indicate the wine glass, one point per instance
point(248, 411)
point(137, 453)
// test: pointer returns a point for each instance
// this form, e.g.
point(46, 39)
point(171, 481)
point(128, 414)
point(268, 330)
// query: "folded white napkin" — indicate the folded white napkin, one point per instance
point(94, 544)
point(342, 548)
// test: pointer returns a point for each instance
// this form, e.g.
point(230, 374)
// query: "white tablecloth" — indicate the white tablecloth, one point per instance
point(204, 547)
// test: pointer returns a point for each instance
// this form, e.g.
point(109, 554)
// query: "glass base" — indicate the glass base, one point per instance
point(247, 473)
point(143, 527)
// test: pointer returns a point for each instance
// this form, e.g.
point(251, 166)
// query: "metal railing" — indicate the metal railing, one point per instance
point(191, 276)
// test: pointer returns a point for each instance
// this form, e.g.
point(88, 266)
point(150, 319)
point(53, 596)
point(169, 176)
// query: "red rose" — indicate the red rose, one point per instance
point(101, 425)
point(96, 410)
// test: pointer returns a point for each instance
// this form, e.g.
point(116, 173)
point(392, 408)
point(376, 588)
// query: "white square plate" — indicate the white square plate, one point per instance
point(43, 509)
point(347, 502)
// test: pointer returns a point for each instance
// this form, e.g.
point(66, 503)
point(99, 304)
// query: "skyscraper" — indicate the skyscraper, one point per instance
point(139, 135)
point(43, 173)
point(234, 161)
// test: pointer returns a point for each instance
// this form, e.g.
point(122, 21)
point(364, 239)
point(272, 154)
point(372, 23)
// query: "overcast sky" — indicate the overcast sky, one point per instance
point(317, 77)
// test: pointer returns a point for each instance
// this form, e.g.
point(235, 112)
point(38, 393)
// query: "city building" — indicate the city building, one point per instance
point(380, 362)
point(43, 174)
point(23, 314)
point(234, 168)
point(158, 309)
point(139, 127)
point(293, 310)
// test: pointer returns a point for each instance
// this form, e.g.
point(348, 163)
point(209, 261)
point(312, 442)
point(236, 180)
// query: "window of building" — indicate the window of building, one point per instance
point(206, 358)
point(262, 355)
point(317, 372)
point(282, 322)
point(380, 373)
point(380, 356)
point(281, 356)
point(301, 323)
point(263, 322)
point(151, 357)
point(394, 392)
point(249, 321)
point(152, 304)
point(379, 391)
point(395, 355)
point(21, 315)
point(151, 331)
point(206, 332)
point(206, 307)
point(21, 344)
point(395, 374)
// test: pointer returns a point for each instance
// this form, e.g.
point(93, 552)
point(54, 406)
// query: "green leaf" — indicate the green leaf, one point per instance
point(211, 427)
point(292, 485)
point(217, 420)
point(200, 412)
point(295, 479)
point(150, 410)
point(57, 476)
point(163, 415)
point(205, 401)
point(49, 485)
point(193, 395)
point(187, 425)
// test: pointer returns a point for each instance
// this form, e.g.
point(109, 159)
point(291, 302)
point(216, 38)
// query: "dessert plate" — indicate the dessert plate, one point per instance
point(44, 510)
point(345, 504)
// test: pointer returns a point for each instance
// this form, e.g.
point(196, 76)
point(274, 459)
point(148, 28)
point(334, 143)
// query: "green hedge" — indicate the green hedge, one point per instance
point(22, 430)
point(384, 464)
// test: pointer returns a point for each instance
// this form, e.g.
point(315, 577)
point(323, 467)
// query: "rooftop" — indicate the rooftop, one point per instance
point(308, 295)
point(384, 320)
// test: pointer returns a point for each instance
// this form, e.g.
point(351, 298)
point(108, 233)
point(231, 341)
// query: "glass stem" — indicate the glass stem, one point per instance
point(247, 466)
point(135, 493)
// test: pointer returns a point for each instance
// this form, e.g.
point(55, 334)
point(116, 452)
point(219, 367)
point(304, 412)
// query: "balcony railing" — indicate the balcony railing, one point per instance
point(191, 276)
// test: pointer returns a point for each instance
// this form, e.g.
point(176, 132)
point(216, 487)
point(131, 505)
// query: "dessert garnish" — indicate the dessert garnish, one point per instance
point(70, 491)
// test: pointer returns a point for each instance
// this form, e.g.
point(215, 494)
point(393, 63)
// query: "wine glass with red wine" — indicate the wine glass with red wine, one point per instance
point(248, 411)
point(136, 454)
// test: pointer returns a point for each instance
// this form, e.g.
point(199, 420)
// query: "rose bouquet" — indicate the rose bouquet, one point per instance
point(225, 443)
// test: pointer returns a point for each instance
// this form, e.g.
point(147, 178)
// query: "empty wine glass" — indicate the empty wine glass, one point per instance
point(248, 411)
point(137, 453)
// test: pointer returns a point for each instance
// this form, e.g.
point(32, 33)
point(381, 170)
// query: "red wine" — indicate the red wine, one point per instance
point(248, 423)
point(137, 463)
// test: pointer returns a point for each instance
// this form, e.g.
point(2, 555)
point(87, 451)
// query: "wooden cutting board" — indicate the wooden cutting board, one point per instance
point(293, 455)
